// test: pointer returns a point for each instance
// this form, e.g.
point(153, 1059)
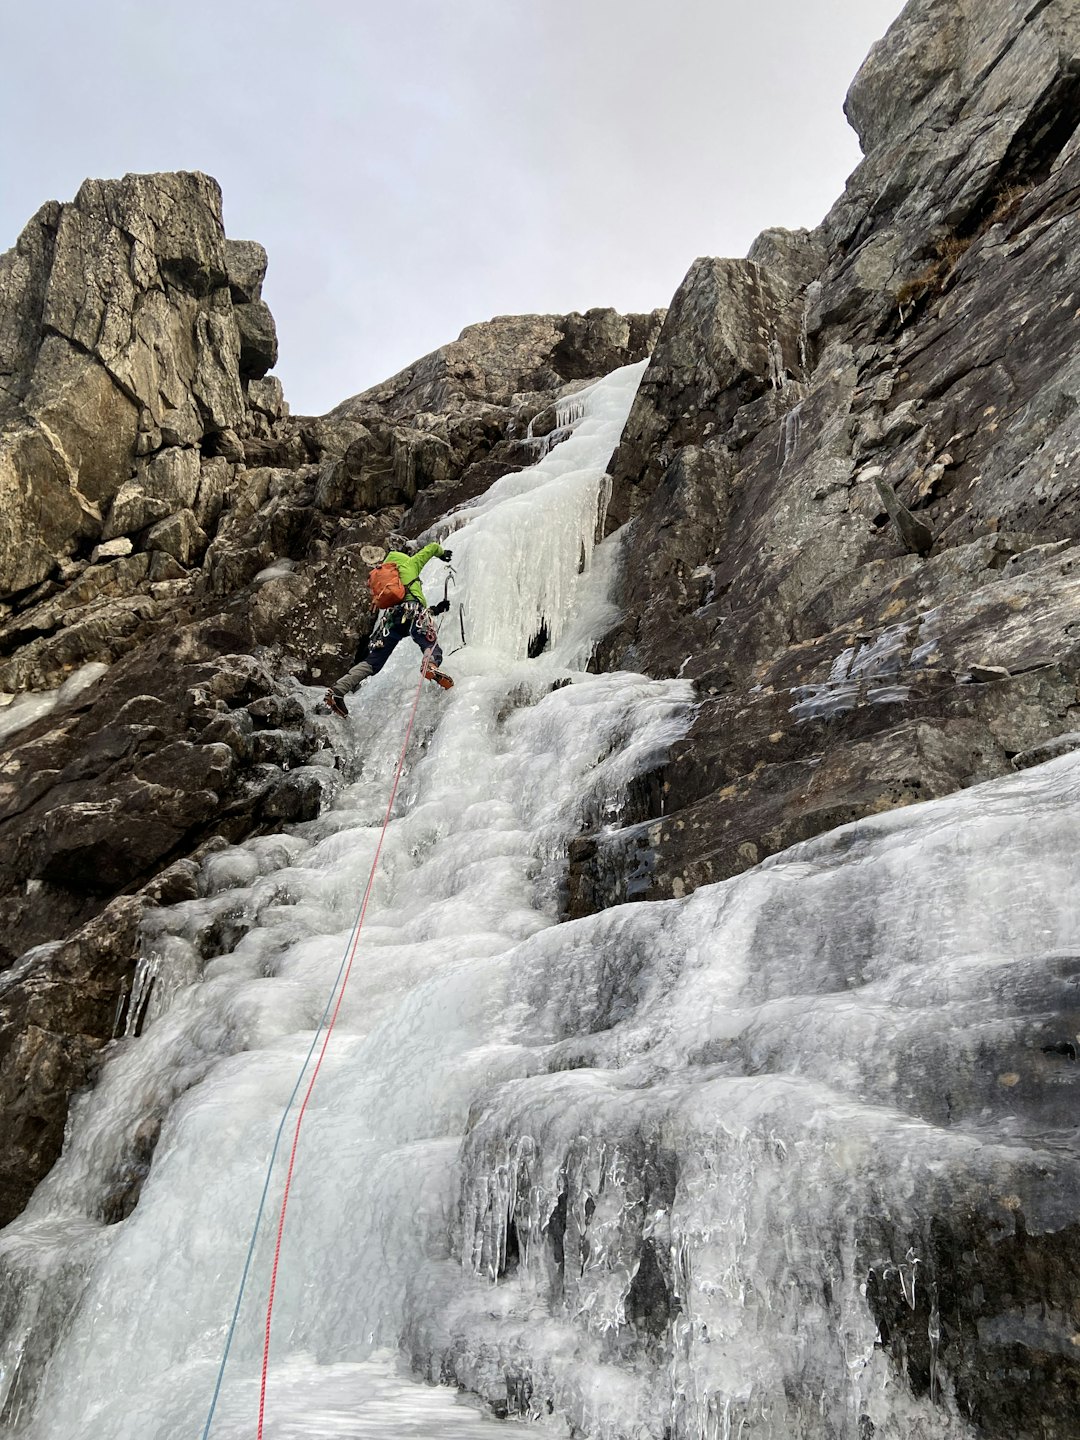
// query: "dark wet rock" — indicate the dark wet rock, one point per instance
point(992, 1315)
point(102, 794)
point(50, 1031)
point(300, 794)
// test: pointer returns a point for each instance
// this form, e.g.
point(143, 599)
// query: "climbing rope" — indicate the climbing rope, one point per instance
point(341, 980)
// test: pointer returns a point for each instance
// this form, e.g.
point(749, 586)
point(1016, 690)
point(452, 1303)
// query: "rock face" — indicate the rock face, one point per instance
point(149, 472)
point(850, 465)
point(449, 425)
point(117, 325)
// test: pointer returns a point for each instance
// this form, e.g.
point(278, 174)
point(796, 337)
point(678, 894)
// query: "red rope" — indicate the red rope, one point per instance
point(322, 1052)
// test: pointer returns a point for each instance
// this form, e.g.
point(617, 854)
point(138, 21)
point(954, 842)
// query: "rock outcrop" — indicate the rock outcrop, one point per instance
point(119, 337)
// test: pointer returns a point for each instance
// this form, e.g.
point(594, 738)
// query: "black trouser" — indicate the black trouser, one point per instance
point(410, 618)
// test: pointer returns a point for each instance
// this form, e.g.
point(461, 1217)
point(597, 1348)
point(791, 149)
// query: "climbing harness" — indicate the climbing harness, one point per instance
point(333, 1006)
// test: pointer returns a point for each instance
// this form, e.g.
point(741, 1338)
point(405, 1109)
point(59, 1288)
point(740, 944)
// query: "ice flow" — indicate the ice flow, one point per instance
point(113, 1321)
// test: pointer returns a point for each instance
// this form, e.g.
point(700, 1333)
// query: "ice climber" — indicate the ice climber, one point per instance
point(403, 610)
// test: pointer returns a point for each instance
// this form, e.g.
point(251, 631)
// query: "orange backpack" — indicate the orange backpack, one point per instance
point(385, 585)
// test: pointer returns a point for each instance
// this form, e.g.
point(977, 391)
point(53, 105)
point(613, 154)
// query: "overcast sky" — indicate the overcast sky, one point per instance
point(413, 166)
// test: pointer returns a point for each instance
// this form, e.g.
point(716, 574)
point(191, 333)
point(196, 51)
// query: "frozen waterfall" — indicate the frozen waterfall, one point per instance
point(661, 1172)
point(502, 774)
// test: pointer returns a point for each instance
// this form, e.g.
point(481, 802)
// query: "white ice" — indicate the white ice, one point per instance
point(21, 710)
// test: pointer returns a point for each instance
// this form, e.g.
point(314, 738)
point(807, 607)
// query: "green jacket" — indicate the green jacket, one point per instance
point(409, 567)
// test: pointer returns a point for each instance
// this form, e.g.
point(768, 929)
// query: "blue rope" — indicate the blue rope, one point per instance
point(266, 1185)
point(273, 1156)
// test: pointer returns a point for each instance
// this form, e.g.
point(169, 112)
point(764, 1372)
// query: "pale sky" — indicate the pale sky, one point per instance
point(414, 166)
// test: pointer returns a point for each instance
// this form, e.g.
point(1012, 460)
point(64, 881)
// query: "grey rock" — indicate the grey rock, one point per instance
point(24, 272)
point(227, 445)
point(44, 515)
point(267, 397)
point(148, 437)
point(732, 334)
point(827, 643)
point(110, 550)
point(384, 465)
point(245, 265)
point(163, 485)
point(493, 362)
point(258, 339)
point(1063, 744)
point(915, 533)
point(117, 335)
point(98, 633)
point(180, 536)
point(94, 618)
point(215, 477)
point(164, 568)
point(132, 510)
point(215, 382)
point(956, 111)
point(172, 474)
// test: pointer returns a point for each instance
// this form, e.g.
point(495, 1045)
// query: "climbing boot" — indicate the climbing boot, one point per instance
point(432, 673)
point(336, 703)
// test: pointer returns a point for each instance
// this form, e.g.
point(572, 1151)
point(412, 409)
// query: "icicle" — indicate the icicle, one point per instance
point(788, 440)
point(569, 412)
point(778, 377)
